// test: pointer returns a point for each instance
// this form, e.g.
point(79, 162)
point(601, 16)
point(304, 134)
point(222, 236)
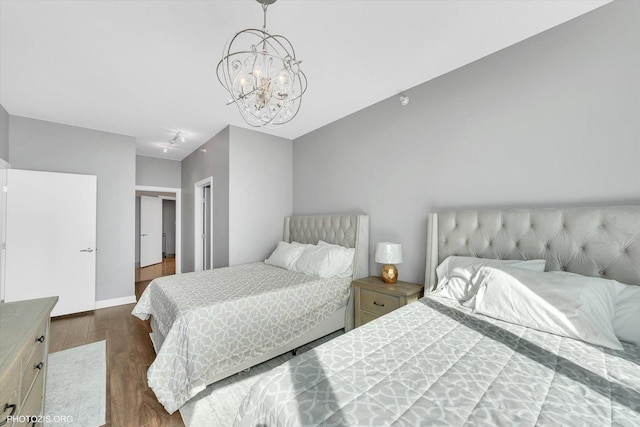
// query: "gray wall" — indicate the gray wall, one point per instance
point(136, 234)
point(252, 193)
point(553, 120)
point(157, 172)
point(198, 166)
point(260, 193)
point(4, 134)
point(169, 226)
point(53, 147)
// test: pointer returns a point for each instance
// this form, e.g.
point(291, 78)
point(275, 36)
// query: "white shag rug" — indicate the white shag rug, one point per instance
point(218, 404)
point(77, 386)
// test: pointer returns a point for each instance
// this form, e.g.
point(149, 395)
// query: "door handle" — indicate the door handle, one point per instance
point(86, 250)
point(142, 235)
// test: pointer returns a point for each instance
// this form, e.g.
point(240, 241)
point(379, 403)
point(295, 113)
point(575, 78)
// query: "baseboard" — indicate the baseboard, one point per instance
point(115, 301)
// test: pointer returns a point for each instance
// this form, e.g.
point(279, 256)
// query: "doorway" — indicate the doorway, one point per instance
point(157, 233)
point(203, 222)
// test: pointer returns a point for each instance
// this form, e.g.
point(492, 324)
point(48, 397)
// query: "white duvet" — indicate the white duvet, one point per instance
point(214, 320)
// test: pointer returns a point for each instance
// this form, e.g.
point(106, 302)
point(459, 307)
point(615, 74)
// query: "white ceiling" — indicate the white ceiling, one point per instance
point(147, 68)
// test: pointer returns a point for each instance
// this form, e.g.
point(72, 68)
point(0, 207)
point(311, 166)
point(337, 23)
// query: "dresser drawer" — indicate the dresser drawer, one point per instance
point(377, 303)
point(10, 392)
point(33, 405)
point(33, 359)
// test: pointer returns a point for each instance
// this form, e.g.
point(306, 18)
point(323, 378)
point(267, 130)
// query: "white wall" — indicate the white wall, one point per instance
point(553, 120)
point(46, 146)
point(260, 193)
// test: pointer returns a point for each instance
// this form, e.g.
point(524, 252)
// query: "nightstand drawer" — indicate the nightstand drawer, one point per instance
point(377, 303)
point(367, 317)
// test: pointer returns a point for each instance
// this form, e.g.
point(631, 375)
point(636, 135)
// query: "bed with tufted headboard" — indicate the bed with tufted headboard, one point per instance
point(438, 362)
point(598, 242)
point(212, 324)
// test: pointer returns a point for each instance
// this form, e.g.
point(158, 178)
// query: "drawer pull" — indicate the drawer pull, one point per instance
point(41, 339)
point(38, 366)
point(5, 409)
point(378, 304)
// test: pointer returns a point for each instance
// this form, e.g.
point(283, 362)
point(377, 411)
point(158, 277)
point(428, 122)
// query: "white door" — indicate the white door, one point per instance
point(51, 239)
point(150, 230)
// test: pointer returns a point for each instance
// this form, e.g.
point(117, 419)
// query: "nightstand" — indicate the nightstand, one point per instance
point(374, 298)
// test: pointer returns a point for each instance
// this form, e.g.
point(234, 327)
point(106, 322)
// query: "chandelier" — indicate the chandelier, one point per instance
point(261, 73)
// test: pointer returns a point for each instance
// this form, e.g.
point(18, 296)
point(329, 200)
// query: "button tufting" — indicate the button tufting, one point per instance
point(602, 272)
point(547, 246)
point(601, 226)
point(562, 268)
point(517, 244)
point(582, 248)
point(624, 250)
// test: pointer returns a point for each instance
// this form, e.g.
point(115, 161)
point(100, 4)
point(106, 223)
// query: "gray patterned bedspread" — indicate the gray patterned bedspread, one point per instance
point(214, 320)
point(430, 363)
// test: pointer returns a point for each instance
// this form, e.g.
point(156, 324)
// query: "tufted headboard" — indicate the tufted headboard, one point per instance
point(351, 231)
point(601, 242)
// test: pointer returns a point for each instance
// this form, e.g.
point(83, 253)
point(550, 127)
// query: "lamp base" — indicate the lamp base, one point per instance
point(389, 273)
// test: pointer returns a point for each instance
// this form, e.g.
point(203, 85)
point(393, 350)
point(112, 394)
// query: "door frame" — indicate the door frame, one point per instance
point(177, 192)
point(197, 223)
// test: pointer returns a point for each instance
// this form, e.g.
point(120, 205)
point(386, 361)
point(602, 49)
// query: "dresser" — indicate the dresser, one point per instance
point(24, 343)
point(374, 298)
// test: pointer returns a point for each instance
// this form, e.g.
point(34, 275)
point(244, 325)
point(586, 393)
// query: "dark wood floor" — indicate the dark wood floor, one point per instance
point(130, 402)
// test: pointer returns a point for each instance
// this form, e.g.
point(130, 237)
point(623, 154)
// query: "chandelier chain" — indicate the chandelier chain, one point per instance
point(264, 23)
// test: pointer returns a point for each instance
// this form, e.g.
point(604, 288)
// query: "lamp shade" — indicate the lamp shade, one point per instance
point(388, 253)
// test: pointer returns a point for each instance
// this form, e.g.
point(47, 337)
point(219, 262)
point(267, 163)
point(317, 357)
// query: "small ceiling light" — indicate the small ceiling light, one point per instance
point(404, 100)
point(261, 73)
point(177, 137)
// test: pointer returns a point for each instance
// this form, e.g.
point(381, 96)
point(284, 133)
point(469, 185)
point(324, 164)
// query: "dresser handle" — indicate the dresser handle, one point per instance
point(38, 366)
point(6, 408)
point(378, 304)
point(41, 339)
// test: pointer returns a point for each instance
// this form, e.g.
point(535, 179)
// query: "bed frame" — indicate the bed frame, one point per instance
point(599, 242)
point(351, 231)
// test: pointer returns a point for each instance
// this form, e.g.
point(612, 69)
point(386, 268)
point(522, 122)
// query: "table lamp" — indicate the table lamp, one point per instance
point(389, 254)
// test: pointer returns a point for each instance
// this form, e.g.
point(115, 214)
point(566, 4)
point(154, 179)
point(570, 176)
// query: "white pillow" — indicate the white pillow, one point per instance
point(325, 261)
point(454, 274)
point(626, 322)
point(343, 267)
point(285, 255)
point(578, 307)
point(627, 317)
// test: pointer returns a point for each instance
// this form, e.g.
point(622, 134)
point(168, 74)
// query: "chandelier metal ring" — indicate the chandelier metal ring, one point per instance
point(261, 73)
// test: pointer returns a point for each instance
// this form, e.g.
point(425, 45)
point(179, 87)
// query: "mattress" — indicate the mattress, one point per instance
point(214, 320)
point(432, 362)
